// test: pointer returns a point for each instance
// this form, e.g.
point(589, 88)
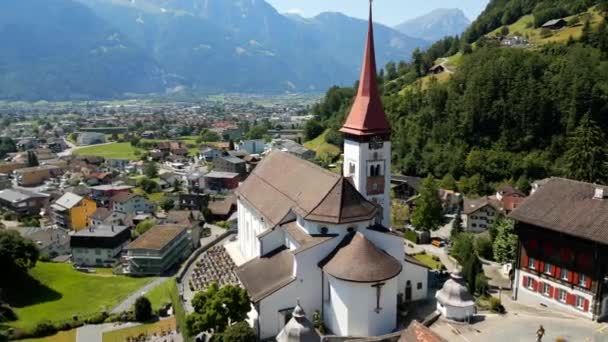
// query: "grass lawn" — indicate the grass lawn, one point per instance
point(62, 292)
point(114, 150)
point(428, 260)
point(121, 335)
point(323, 148)
point(161, 294)
point(62, 336)
point(424, 82)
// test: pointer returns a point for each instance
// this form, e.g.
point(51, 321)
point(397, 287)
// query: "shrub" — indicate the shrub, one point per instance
point(481, 284)
point(411, 236)
point(483, 247)
point(44, 328)
point(97, 318)
point(143, 309)
point(7, 314)
point(239, 332)
point(496, 305)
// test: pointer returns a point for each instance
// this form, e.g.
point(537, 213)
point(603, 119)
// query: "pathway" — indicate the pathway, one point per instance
point(130, 301)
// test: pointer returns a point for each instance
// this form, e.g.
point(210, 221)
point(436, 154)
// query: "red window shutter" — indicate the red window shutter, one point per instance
point(524, 261)
point(575, 277)
point(534, 285)
point(541, 266)
point(556, 293)
point(570, 276)
point(557, 271)
point(588, 282)
point(553, 270)
point(586, 308)
point(537, 265)
point(570, 299)
point(550, 291)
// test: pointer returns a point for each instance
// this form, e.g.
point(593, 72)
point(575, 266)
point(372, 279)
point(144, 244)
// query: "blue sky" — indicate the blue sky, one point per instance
point(389, 12)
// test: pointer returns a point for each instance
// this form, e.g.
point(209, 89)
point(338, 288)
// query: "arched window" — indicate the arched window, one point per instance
point(377, 170)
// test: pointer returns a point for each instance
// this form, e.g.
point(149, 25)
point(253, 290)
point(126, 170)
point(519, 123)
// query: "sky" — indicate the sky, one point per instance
point(388, 12)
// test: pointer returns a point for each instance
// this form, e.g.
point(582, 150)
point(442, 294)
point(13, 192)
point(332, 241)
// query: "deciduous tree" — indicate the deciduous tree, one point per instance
point(427, 215)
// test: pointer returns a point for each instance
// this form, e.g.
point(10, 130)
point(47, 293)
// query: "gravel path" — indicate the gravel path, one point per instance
point(130, 301)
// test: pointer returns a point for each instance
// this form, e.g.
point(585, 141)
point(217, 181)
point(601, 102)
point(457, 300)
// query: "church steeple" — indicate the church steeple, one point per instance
point(367, 115)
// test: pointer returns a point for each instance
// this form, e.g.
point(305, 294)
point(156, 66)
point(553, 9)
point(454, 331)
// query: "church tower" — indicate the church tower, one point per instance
point(367, 146)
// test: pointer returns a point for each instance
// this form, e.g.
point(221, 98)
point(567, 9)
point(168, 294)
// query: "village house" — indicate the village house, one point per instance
point(555, 24)
point(221, 181)
point(131, 203)
point(158, 250)
point(193, 201)
point(509, 197)
point(563, 248)
point(104, 216)
point(209, 153)
point(293, 148)
point(50, 242)
point(72, 212)
point(256, 146)
point(103, 194)
point(479, 214)
point(230, 164)
point(22, 202)
point(33, 176)
point(99, 246)
point(196, 181)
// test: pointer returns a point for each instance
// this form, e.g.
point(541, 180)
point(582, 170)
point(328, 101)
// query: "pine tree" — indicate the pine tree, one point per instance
point(456, 225)
point(32, 159)
point(586, 155)
point(427, 215)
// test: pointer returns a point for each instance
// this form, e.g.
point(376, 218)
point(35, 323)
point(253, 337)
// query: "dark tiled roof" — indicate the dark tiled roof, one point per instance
point(101, 214)
point(357, 259)
point(568, 207)
point(158, 237)
point(123, 197)
point(305, 240)
point(282, 182)
point(265, 275)
point(472, 205)
point(343, 204)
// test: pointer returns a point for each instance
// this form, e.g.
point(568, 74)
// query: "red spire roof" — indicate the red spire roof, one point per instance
point(367, 115)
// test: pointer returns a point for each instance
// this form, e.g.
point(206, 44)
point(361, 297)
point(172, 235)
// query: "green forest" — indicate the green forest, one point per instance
point(507, 115)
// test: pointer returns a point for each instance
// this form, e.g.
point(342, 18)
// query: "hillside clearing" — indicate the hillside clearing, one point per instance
point(323, 149)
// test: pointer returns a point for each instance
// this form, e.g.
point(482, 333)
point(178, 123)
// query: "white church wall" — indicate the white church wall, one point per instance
point(314, 228)
point(271, 241)
point(418, 277)
point(354, 308)
point(391, 244)
point(271, 320)
point(250, 225)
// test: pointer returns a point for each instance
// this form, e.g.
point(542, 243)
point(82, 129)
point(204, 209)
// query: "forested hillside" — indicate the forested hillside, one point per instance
point(505, 115)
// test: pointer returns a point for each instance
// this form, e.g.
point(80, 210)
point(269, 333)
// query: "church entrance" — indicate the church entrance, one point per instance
point(408, 291)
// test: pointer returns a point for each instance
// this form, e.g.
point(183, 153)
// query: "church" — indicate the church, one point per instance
point(321, 239)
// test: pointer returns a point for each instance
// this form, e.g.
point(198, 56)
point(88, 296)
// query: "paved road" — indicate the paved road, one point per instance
point(130, 301)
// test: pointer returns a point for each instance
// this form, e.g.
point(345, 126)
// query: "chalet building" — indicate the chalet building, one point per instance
point(73, 212)
point(22, 202)
point(479, 214)
point(562, 257)
point(555, 24)
point(509, 197)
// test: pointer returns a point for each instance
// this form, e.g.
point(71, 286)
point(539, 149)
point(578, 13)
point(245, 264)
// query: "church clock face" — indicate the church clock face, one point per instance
point(376, 143)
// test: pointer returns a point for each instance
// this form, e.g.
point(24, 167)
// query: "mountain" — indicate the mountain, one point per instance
point(94, 49)
point(247, 46)
point(59, 49)
point(436, 24)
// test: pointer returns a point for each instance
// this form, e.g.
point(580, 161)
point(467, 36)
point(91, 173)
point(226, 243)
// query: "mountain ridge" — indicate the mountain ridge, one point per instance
point(436, 24)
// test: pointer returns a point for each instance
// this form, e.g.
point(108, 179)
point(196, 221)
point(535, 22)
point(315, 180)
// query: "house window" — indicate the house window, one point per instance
point(532, 263)
point(419, 286)
point(351, 168)
point(563, 274)
point(582, 280)
point(580, 303)
point(561, 296)
point(546, 288)
point(547, 268)
point(529, 283)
